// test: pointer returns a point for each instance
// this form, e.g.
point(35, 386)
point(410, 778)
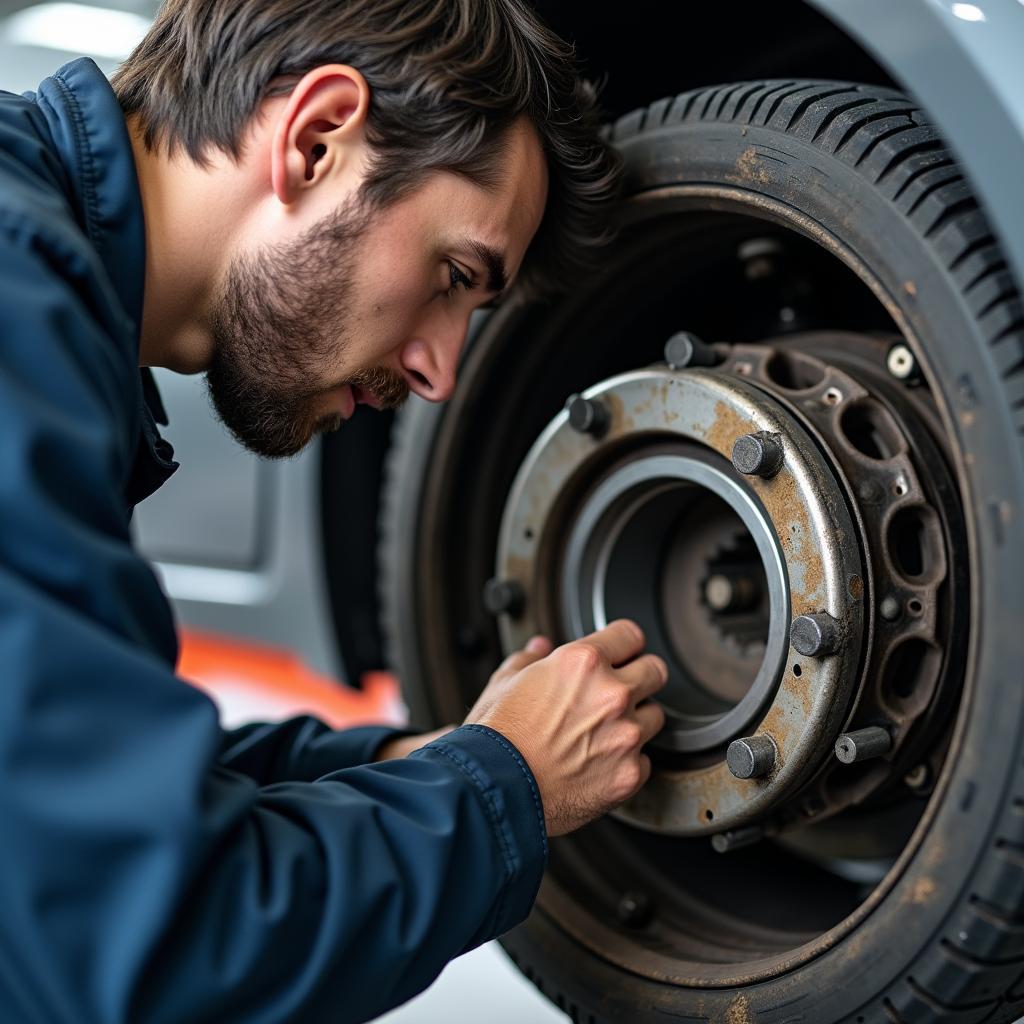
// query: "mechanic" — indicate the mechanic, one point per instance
point(306, 201)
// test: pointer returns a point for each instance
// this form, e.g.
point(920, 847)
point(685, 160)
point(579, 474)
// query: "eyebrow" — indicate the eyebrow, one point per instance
point(493, 260)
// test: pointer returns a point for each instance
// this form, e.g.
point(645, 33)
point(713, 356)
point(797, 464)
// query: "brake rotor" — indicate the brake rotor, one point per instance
point(612, 480)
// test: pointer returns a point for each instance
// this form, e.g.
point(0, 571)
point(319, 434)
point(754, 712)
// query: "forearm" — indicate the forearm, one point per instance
point(302, 749)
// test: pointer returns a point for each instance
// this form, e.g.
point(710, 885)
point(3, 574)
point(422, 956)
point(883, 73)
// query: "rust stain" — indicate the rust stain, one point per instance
point(855, 587)
point(620, 422)
point(739, 1012)
point(910, 288)
point(781, 726)
point(750, 168)
point(924, 889)
point(727, 426)
point(519, 569)
point(784, 504)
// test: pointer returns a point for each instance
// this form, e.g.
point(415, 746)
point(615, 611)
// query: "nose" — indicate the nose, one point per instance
point(430, 369)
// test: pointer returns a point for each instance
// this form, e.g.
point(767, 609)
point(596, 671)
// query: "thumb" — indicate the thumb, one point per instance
point(537, 647)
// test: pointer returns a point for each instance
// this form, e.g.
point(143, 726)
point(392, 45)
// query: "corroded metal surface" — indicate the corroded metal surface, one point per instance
point(816, 540)
point(897, 476)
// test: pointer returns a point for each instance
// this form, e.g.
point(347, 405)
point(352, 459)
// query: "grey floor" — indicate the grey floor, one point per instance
point(481, 985)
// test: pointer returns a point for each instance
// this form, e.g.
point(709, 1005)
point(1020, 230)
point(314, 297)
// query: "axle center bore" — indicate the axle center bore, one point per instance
point(650, 519)
point(634, 550)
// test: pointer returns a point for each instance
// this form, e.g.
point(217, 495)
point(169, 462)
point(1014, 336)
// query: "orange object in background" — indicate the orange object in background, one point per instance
point(253, 682)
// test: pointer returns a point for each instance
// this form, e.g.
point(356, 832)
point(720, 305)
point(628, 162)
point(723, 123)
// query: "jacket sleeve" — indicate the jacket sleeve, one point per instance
point(140, 878)
point(301, 749)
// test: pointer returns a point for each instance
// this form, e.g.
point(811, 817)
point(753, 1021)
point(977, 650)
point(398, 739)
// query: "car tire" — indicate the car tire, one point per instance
point(862, 171)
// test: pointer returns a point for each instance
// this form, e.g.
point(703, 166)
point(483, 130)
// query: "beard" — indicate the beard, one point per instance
point(281, 316)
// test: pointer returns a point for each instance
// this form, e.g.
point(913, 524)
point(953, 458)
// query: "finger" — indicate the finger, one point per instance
point(651, 717)
point(619, 641)
point(540, 645)
point(536, 648)
point(645, 770)
point(645, 676)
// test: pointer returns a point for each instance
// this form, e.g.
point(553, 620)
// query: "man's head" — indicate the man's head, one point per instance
point(393, 165)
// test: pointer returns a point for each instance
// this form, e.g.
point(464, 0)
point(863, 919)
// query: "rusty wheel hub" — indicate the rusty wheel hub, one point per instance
point(740, 522)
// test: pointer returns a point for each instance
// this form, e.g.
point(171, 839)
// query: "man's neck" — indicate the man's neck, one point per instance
point(189, 224)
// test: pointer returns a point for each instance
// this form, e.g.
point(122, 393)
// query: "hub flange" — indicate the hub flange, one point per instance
point(565, 538)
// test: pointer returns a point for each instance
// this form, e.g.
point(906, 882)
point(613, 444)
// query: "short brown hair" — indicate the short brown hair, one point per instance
point(447, 79)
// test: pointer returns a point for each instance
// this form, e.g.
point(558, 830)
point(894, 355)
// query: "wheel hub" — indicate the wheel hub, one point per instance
point(619, 498)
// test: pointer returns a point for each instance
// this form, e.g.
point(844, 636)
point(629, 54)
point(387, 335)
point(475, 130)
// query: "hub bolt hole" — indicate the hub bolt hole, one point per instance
point(791, 372)
point(914, 542)
point(909, 671)
point(871, 430)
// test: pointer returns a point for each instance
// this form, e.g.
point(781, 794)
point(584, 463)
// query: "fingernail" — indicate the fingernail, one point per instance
point(536, 644)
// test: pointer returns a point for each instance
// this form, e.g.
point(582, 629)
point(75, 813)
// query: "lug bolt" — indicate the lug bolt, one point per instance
point(757, 454)
point(504, 597)
point(587, 415)
point(901, 364)
point(862, 744)
point(684, 349)
point(889, 609)
point(635, 909)
point(752, 757)
point(736, 839)
point(815, 636)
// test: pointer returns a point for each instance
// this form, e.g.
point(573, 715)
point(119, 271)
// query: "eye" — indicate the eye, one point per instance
point(458, 279)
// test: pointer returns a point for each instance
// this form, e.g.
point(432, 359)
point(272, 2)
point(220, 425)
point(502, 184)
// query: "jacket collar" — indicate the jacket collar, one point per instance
point(88, 128)
point(91, 138)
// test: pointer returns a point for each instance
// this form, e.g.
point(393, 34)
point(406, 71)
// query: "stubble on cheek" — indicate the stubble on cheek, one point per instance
point(280, 319)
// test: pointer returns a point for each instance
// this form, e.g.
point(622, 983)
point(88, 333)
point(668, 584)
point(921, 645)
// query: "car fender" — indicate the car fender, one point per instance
point(965, 63)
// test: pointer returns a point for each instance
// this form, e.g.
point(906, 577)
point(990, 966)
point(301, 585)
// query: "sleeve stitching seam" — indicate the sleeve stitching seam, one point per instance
point(499, 739)
point(496, 826)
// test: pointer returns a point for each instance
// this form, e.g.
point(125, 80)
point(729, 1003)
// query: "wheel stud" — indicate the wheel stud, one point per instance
point(752, 757)
point(863, 744)
point(815, 636)
point(587, 415)
point(736, 839)
point(684, 349)
point(901, 364)
point(757, 454)
point(504, 597)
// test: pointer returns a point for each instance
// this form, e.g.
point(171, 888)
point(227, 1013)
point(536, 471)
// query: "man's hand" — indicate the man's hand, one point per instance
point(402, 745)
point(579, 715)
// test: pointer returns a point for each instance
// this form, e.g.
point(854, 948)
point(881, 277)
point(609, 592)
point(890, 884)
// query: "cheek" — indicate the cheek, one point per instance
point(393, 314)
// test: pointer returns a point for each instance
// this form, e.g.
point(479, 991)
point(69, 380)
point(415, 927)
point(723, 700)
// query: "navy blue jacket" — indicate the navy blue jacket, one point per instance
point(152, 866)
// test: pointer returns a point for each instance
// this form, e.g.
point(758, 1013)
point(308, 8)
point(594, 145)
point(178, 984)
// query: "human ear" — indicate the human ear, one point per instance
point(320, 129)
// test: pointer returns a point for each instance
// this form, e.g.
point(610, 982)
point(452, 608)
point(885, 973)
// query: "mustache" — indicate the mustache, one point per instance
point(387, 384)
